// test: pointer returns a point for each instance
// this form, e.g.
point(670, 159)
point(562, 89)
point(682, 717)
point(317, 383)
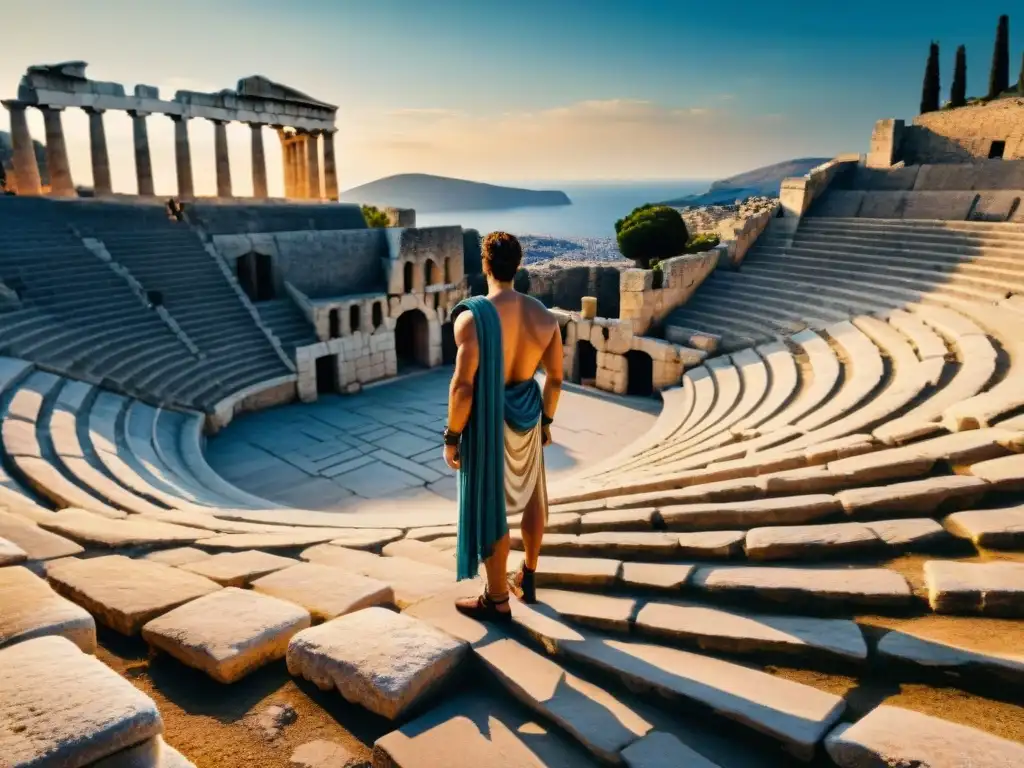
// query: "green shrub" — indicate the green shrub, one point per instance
point(651, 233)
point(659, 275)
point(702, 241)
point(375, 217)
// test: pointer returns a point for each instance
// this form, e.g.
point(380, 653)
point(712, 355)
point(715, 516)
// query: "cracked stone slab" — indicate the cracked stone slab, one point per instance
point(856, 586)
point(29, 609)
point(432, 532)
point(326, 592)
point(36, 542)
point(323, 754)
point(914, 498)
point(811, 542)
point(612, 544)
point(62, 707)
point(1006, 474)
point(710, 544)
point(371, 539)
point(411, 581)
point(422, 552)
point(152, 753)
point(238, 569)
point(99, 531)
point(376, 658)
point(991, 589)
point(11, 553)
point(890, 735)
point(743, 515)
point(229, 633)
point(911, 534)
point(177, 556)
point(671, 576)
point(601, 611)
point(990, 528)
point(619, 520)
point(659, 749)
point(123, 593)
point(293, 539)
point(578, 571)
point(600, 722)
point(715, 629)
point(905, 646)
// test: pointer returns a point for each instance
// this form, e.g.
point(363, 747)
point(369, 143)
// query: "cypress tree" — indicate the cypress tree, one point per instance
point(999, 76)
point(958, 91)
point(930, 89)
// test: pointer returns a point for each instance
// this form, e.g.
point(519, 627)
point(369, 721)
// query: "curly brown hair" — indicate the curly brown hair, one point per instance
point(502, 255)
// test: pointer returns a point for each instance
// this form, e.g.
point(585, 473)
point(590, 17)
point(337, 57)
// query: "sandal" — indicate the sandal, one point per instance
point(522, 584)
point(485, 609)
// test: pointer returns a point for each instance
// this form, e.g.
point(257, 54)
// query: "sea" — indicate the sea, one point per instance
point(594, 210)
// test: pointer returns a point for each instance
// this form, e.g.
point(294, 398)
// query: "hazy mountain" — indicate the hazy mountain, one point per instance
point(430, 194)
point(7, 156)
point(760, 181)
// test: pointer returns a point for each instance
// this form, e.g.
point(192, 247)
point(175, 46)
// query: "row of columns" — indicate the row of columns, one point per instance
point(300, 152)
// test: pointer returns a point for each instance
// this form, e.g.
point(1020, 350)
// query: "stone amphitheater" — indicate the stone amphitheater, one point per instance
point(811, 556)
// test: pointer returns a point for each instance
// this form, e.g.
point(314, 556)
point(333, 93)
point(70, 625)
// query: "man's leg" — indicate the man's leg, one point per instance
point(495, 597)
point(532, 526)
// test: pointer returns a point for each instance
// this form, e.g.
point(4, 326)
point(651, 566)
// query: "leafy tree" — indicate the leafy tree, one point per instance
point(930, 89)
point(702, 241)
point(651, 233)
point(375, 217)
point(999, 75)
point(958, 91)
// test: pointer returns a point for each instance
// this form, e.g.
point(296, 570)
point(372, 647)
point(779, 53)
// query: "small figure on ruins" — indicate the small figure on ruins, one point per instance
point(498, 423)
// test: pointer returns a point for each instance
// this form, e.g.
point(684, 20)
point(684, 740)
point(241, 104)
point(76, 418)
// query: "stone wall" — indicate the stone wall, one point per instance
point(797, 194)
point(644, 305)
point(361, 358)
point(613, 340)
point(416, 259)
point(319, 263)
point(565, 287)
point(737, 236)
point(966, 133)
point(265, 394)
point(401, 217)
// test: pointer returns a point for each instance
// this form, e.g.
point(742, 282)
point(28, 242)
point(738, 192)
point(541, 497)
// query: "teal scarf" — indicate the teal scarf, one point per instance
point(482, 520)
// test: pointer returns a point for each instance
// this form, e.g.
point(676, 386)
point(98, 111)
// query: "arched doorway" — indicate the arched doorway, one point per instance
point(640, 373)
point(378, 315)
point(448, 347)
point(586, 362)
point(255, 273)
point(327, 374)
point(412, 339)
point(335, 324)
point(353, 317)
point(407, 277)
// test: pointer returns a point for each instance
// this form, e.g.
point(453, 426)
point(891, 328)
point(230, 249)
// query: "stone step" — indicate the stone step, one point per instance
point(989, 528)
point(963, 655)
point(989, 589)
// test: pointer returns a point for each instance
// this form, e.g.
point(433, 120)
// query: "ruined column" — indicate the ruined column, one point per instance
point(143, 162)
point(330, 169)
point(26, 169)
point(312, 166)
point(220, 149)
point(286, 164)
point(259, 162)
point(57, 154)
point(301, 166)
point(98, 149)
point(183, 157)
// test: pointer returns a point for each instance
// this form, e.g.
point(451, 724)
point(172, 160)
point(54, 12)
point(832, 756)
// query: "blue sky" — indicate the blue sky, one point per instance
point(506, 91)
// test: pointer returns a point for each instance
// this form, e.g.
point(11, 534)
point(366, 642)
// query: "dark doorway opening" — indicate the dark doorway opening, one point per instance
point(378, 315)
point(407, 277)
point(640, 373)
point(996, 150)
point(255, 273)
point(335, 323)
point(448, 348)
point(353, 317)
point(412, 342)
point(327, 374)
point(586, 362)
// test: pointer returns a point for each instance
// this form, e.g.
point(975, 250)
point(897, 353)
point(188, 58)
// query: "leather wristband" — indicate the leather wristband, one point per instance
point(545, 420)
point(451, 438)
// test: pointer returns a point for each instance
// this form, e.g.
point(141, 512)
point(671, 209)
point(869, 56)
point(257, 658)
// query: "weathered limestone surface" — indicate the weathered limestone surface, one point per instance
point(411, 581)
point(324, 591)
point(911, 534)
point(62, 707)
point(476, 730)
point(38, 544)
point(581, 571)
point(124, 594)
point(238, 569)
point(11, 553)
point(788, 510)
point(895, 736)
point(810, 541)
point(177, 556)
point(323, 754)
point(860, 586)
point(229, 633)
point(710, 544)
point(992, 589)
point(99, 531)
point(904, 646)
point(735, 632)
point(601, 723)
point(291, 540)
point(615, 544)
point(421, 551)
point(619, 520)
point(29, 608)
point(659, 749)
point(371, 539)
point(918, 497)
point(993, 528)
point(1006, 474)
point(657, 575)
point(376, 658)
point(602, 611)
point(152, 753)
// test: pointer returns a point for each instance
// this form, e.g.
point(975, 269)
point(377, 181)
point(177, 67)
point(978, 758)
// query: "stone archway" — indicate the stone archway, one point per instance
point(586, 362)
point(407, 277)
point(640, 373)
point(255, 273)
point(412, 339)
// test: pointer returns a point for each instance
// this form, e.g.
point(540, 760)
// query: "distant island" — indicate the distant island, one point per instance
point(436, 194)
point(760, 181)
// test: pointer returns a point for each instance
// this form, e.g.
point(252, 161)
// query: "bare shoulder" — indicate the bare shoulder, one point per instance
point(538, 314)
point(465, 329)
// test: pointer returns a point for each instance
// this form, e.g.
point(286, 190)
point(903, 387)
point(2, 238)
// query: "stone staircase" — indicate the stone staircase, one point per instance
point(286, 321)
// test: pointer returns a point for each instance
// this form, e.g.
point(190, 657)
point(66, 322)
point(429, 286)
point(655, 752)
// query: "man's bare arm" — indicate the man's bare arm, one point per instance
point(460, 393)
point(552, 364)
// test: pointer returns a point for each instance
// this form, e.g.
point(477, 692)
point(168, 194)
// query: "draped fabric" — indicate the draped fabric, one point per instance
point(496, 409)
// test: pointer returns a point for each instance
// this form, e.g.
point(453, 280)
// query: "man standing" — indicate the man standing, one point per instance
point(498, 423)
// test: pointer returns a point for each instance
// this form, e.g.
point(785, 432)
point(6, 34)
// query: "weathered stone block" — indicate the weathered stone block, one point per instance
point(29, 609)
point(324, 591)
